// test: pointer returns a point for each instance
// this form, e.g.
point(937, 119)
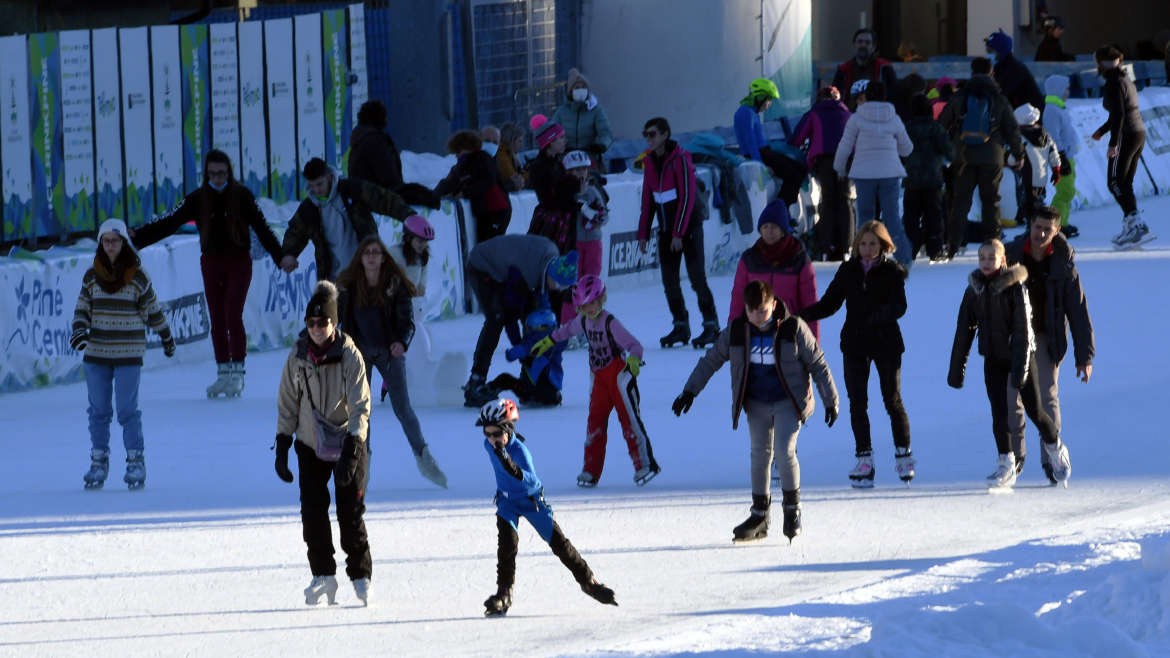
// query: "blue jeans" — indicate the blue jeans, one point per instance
point(393, 371)
point(886, 190)
point(121, 384)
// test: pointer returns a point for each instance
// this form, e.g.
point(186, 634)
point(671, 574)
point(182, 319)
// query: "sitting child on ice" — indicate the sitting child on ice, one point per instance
point(541, 377)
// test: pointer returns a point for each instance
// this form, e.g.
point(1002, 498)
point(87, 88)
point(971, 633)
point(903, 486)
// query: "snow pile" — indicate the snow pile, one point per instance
point(425, 168)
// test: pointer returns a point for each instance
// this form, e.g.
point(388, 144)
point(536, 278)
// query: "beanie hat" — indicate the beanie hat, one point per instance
point(1026, 114)
point(574, 77)
point(117, 227)
point(545, 131)
point(1056, 85)
point(1000, 42)
point(323, 303)
point(563, 270)
point(776, 212)
point(946, 81)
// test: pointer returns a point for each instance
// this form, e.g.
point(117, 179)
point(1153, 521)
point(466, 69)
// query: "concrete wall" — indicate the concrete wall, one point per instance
point(833, 24)
point(987, 16)
point(1088, 25)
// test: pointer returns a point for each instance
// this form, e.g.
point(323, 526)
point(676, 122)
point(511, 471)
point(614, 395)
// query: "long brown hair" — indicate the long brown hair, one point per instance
point(112, 276)
point(390, 277)
point(879, 230)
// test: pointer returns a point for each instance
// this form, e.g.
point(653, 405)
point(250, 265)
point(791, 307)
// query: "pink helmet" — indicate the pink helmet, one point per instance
point(418, 225)
point(589, 287)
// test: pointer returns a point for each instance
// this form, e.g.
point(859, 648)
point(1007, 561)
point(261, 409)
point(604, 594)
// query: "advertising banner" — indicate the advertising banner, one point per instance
point(48, 175)
point(225, 93)
point(282, 143)
point(15, 144)
point(253, 136)
point(309, 89)
point(338, 121)
point(194, 56)
point(107, 125)
point(77, 128)
point(787, 54)
point(360, 90)
point(137, 139)
point(168, 117)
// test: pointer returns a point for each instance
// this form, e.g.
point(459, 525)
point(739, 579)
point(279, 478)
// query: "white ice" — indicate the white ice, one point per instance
point(208, 559)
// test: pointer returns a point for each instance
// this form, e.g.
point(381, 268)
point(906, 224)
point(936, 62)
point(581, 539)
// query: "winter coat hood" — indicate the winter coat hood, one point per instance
point(877, 111)
point(332, 191)
point(1007, 277)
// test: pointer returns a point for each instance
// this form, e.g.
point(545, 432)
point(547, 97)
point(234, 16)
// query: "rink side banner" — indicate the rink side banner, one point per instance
point(225, 93)
point(253, 136)
point(360, 89)
point(15, 144)
point(282, 143)
point(137, 139)
point(787, 54)
point(195, 68)
point(107, 125)
point(309, 87)
point(337, 111)
point(168, 117)
point(48, 175)
point(77, 129)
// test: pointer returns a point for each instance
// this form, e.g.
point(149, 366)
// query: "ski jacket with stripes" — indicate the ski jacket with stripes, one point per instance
point(668, 188)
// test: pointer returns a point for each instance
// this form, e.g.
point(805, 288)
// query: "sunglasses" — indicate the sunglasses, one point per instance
point(317, 323)
point(493, 435)
point(649, 134)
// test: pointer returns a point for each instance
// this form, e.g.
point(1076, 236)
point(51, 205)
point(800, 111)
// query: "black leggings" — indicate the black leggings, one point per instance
point(995, 375)
point(790, 172)
point(1123, 168)
point(857, 385)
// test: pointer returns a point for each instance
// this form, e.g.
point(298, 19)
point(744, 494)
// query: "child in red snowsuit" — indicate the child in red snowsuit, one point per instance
point(615, 357)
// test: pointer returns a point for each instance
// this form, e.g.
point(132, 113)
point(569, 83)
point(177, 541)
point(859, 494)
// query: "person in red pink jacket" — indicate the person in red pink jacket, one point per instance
point(822, 127)
point(668, 192)
point(615, 357)
point(781, 260)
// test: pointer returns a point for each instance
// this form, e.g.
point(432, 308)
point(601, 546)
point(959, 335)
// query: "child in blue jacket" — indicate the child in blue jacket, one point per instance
point(519, 493)
point(541, 377)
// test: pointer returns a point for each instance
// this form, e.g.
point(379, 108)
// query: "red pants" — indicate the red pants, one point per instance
point(614, 387)
point(226, 279)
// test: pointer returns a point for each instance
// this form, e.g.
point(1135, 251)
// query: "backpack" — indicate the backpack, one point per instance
point(976, 126)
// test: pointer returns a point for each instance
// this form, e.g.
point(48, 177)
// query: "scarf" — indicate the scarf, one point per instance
point(109, 277)
point(780, 253)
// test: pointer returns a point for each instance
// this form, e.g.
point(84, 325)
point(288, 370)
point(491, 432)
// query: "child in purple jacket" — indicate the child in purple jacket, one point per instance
point(822, 127)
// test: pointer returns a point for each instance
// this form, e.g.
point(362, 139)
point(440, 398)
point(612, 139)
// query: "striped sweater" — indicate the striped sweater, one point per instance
point(117, 321)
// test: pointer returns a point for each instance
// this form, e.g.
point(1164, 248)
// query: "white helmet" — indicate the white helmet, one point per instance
point(501, 412)
point(1026, 114)
point(576, 159)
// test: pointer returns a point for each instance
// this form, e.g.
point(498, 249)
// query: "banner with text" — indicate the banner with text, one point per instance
point(168, 117)
point(15, 142)
point(137, 139)
point(309, 89)
point(253, 129)
point(282, 143)
point(337, 112)
point(360, 87)
point(195, 66)
point(77, 128)
point(48, 172)
point(225, 94)
point(107, 126)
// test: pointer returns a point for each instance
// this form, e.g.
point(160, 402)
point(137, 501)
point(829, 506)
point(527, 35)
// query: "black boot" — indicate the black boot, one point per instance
point(708, 337)
point(476, 392)
point(677, 336)
point(568, 555)
point(497, 604)
point(756, 525)
point(791, 514)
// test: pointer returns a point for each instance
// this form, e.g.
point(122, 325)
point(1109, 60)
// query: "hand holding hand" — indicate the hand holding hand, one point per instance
point(397, 350)
point(682, 403)
point(283, 443)
point(543, 345)
point(288, 264)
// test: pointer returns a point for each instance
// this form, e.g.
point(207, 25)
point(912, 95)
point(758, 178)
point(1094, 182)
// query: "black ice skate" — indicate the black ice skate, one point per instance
point(476, 392)
point(599, 592)
point(791, 514)
point(497, 604)
point(680, 335)
point(99, 469)
point(755, 527)
point(707, 338)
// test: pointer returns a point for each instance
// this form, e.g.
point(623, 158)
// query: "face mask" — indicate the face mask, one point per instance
point(491, 148)
point(580, 94)
point(218, 188)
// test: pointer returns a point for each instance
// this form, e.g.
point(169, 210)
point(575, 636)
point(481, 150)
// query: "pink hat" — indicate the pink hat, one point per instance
point(946, 81)
point(545, 131)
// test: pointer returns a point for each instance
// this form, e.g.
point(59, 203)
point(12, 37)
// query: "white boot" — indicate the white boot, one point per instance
point(361, 588)
point(1005, 472)
point(219, 386)
point(1058, 459)
point(321, 585)
point(861, 477)
point(429, 469)
point(235, 385)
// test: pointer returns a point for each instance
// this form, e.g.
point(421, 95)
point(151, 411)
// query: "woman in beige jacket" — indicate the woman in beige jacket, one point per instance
point(324, 401)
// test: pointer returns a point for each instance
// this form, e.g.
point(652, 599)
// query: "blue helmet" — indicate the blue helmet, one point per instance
point(542, 319)
point(999, 42)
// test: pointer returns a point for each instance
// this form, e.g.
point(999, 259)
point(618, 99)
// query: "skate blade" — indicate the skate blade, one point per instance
point(996, 491)
point(861, 484)
point(748, 540)
point(646, 478)
point(94, 486)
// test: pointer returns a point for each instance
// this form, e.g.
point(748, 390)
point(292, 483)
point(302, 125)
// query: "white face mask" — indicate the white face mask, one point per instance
point(218, 188)
point(580, 94)
point(491, 148)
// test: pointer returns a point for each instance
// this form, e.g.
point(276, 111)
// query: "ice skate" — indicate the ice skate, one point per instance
point(1059, 462)
point(904, 464)
point(599, 592)
point(497, 604)
point(707, 338)
point(756, 525)
point(476, 392)
point(861, 477)
point(791, 507)
point(235, 382)
point(321, 585)
point(644, 475)
point(586, 480)
point(1046, 467)
point(135, 477)
point(1005, 473)
point(99, 468)
point(429, 469)
point(221, 381)
point(680, 335)
point(361, 589)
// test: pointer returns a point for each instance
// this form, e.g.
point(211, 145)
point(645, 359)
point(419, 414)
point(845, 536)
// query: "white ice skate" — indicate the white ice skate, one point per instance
point(861, 477)
point(235, 383)
point(1005, 473)
point(219, 386)
point(321, 586)
point(429, 468)
point(644, 475)
point(1058, 459)
point(586, 480)
point(361, 589)
point(904, 464)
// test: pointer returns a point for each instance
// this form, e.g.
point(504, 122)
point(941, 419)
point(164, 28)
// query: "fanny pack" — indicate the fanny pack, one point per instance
point(329, 435)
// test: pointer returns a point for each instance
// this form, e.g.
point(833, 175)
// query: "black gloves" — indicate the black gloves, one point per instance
point(830, 416)
point(283, 443)
point(955, 379)
point(169, 347)
point(347, 465)
point(79, 340)
point(682, 403)
point(506, 461)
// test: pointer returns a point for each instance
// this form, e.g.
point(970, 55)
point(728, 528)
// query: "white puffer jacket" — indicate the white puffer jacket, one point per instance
point(878, 141)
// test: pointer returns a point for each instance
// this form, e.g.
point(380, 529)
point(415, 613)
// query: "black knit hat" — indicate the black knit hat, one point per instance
point(323, 303)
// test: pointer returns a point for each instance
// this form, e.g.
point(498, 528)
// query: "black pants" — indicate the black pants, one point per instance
point(508, 544)
point(671, 264)
point(491, 223)
point(540, 392)
point(922, 219)
point(995, 375)
point(967, 178)
point(490, 294)
point(1123, 168)
point(313, 479)
point(889, 369)
point(834, 229)
point(790, 172)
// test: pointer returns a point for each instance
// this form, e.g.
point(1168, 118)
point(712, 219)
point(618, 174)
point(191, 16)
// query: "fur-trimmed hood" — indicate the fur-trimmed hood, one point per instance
point(1008, 277)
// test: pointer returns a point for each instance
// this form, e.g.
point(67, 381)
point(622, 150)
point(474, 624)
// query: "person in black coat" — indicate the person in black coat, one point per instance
point(1050, 49)
point(922, 200)
point(476, 178)
point(373, 156)
point(1012, 75)
point(996, 306)
point(1127, 138)
point(873, 288)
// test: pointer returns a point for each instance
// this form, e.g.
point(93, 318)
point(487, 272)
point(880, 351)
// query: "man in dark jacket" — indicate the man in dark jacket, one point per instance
point(980, 159)
point(865, 65)
point(1058, 305)
point(335, 216)
point(922, 200)
point(1012, 76)
point(1050, 49)
point(373, 156)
